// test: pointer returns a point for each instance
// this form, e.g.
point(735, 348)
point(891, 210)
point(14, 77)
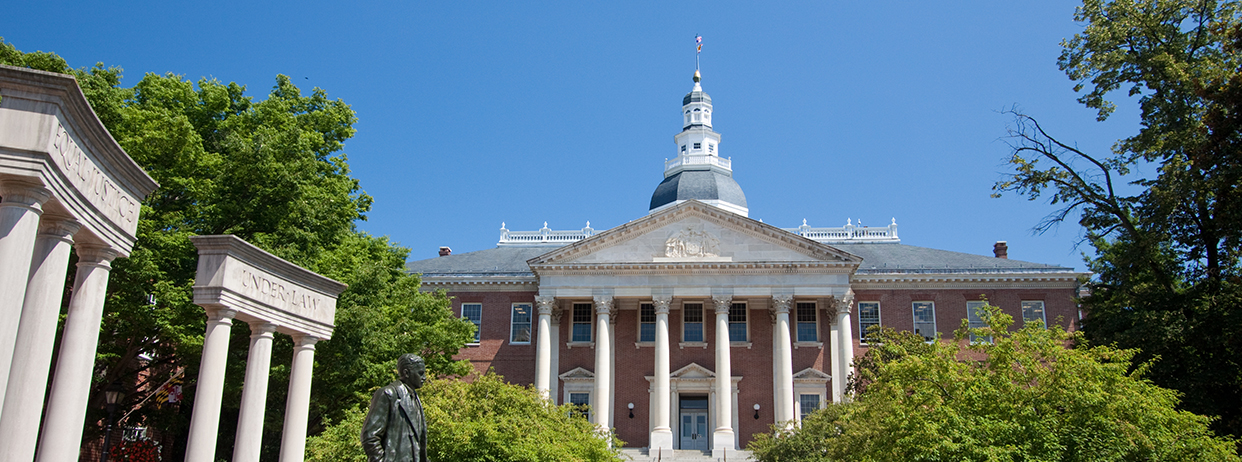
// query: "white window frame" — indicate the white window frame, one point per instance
point(702, 322)
point(798, 322)
point(802, 413)
point(590, 413)
point(478, 324)
point(1043, 311)
point(574, 323)
point(745, 324)
point(915, 315)
point(862, 329)
point(513, 323)
point(971, 308)
point(641, 305)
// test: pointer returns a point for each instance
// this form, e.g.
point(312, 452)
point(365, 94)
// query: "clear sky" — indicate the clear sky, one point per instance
point(472, 113)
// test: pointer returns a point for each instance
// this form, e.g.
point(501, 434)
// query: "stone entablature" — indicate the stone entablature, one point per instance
point(826, 235)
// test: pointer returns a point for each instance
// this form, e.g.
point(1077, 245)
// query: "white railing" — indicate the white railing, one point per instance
point(848, 233)
point(681, 161)
point(844, 234)
point(544, 236)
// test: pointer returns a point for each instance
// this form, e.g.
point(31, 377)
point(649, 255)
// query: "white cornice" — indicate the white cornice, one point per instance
point(1065, 280)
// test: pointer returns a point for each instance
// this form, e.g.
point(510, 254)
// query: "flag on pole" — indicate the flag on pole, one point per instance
point(698, 39)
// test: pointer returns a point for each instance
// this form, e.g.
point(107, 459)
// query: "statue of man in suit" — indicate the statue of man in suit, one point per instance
point(394, 430)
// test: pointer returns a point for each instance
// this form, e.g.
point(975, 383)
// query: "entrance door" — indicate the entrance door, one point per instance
point(694, 430)
point(693, 415)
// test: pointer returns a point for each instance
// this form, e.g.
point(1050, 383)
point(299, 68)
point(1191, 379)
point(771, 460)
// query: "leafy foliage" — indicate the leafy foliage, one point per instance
point(270, 172)
point(1025, 397)
point(484, 419)
point(1167, 255)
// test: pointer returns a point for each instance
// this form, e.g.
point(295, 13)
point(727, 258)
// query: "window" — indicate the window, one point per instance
point(807, 324)
point(1033, 311)
point(582, 323)
point(810, 403)
point(974, 313)
point(646, 322)
point(692, 322)
point(473, 312)
point(868, 315)
point(711, 148)
point(698, 146)
point(683, 149)
point(925, 319)
point(737, 322)
point(581, 403)
point(520, 324)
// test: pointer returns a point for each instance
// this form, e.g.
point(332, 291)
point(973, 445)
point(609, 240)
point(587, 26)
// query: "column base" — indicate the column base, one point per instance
point(726, 454)
point(723, 443)
point(661, 442)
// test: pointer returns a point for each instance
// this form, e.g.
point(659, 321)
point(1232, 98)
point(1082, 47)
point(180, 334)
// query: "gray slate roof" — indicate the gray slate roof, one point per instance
point(700, 185)
point(877, 259)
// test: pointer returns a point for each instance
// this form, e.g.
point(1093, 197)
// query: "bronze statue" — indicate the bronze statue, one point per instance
point(395, 430)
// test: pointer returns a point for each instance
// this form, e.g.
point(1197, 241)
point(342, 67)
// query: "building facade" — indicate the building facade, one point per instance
point(695, 327)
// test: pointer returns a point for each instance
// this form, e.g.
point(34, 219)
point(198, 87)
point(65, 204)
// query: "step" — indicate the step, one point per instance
point(641, 455)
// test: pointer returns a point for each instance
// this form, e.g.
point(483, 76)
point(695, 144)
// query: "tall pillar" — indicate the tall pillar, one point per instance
point(662, 435)
point(205, 422)
point(783, 357)
point(36, 335)
point(555, 335)
point(846, 336)
point(723, 437)
point(21, 204)
point(834, 351)
point(71, 384)
point(543, 349)
point(603, 363)
point(297, 405)
point(249, 441)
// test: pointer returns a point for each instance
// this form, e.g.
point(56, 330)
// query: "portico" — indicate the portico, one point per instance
point(698, 275)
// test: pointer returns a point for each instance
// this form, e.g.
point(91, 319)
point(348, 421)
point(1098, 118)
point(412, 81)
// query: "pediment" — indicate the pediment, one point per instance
point(578, 374)
point(811, 374)
point(693, 371)
point(693, 232)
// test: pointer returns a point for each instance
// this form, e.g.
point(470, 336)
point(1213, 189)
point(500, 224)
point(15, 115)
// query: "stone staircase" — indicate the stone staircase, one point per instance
point(641, 455)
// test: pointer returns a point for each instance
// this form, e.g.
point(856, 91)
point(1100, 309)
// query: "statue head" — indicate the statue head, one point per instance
point(412, 370)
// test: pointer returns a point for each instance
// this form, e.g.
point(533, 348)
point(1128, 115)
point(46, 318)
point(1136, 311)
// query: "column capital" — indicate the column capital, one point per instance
point(556, 317)
point(545, 304)
point(723, 303)
point(305, 341)
point(661, 303)
point(603, 304)
point(781, 303)
point(30, 195)
point(90, 255)
point(261, 329)
point(221, 314)
point(845, 303)
point(57, 226)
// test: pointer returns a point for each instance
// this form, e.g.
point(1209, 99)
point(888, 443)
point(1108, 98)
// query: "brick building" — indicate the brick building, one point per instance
point(694, 327)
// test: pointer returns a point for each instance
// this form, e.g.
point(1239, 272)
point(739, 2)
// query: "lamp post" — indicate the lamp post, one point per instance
point(112, 396)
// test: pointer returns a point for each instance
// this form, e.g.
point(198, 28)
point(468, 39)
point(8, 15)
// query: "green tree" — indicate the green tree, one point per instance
point(271, 172)
point(1023, 397)
point(479, 419)
point(1167, 246)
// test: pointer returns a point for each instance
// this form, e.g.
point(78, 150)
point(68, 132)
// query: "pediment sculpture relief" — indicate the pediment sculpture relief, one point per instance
point(690, 243)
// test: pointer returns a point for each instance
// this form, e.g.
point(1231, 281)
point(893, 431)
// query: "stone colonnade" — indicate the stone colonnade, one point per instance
point(236, 280)
point(65, 187)
point(724, 438)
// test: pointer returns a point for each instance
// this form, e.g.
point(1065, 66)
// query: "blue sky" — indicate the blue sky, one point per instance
point(477, 113)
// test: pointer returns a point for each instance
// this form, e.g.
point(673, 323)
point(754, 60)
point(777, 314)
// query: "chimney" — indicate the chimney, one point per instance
point(445, 251)
point(1000, 250)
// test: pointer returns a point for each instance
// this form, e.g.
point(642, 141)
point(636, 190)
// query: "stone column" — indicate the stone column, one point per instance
point(846, 337)
point(71, 385)
point(662, 435)
point(297, 406)
point(722, 438)
point(555, 335)
point(603, 368)
point(249, 439)
point(36, 335)
point(205, 422)
point(783, 357)
point(543, 349)
point(834, 350)
point(21, 204)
